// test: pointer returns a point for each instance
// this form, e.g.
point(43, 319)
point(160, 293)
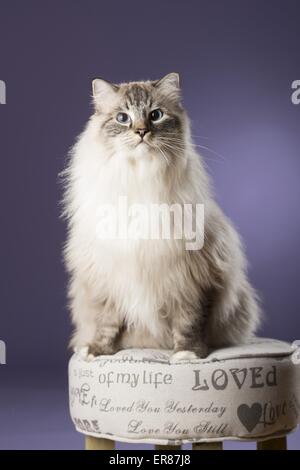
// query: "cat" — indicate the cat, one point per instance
point(149, 293)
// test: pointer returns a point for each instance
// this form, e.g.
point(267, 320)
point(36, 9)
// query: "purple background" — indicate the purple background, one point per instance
point(237, 60)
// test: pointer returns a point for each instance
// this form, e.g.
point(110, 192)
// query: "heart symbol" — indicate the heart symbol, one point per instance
point(249, 415)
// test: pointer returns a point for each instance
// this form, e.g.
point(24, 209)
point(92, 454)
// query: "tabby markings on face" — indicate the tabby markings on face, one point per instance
point(144, 113)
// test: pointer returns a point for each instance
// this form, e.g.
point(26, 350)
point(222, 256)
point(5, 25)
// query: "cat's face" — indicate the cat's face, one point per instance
point(141, 117)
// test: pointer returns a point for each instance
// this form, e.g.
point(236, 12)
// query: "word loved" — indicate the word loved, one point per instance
point(252, 377)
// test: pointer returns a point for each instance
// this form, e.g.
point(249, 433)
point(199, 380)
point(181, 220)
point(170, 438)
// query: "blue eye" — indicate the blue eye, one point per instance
point(123, 118)
point(156, 115)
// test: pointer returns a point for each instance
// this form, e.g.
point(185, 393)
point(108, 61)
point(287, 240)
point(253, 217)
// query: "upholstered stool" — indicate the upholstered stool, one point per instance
point(249, 392)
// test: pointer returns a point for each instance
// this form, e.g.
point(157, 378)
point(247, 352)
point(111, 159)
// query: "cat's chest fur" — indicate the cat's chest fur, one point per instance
point(138, 277)
point(136, 274)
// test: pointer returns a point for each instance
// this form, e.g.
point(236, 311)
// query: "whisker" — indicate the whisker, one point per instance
point(164, 156)
point(204, 147)
point(210, 150)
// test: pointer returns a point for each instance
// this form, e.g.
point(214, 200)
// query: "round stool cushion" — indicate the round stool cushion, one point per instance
point(140, 395)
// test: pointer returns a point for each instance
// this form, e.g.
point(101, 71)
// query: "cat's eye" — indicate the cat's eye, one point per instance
point(156, 115)
point(123, 118)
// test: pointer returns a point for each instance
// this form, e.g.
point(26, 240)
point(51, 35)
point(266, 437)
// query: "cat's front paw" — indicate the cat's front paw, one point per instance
point(183, 356)
point(84, 353)
point(189, 355)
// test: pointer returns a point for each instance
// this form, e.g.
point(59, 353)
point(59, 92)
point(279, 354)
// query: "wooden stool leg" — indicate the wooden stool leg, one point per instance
point(208, 446)
point(161, 447)
point(98, 443)
point(278, 443)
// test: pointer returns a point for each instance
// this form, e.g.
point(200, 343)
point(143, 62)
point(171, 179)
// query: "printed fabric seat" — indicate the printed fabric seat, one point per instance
point(249, 392)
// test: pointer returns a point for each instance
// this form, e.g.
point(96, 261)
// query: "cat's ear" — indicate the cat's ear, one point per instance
point(169, 85)
point(170, 80)
point(103, 91)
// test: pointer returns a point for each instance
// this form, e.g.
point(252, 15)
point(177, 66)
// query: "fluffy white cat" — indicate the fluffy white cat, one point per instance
point(149, 293)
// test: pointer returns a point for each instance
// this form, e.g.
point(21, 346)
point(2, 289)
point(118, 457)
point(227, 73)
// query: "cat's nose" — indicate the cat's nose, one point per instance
point(142, 131)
